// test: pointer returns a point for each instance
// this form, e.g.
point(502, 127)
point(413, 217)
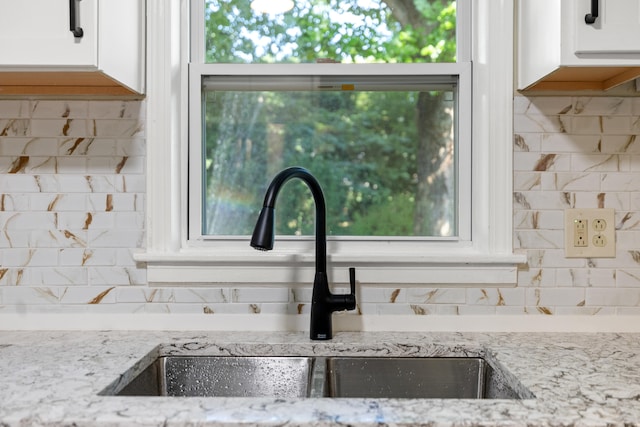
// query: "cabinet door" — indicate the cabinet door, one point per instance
point(37, 32)
point(615, 31)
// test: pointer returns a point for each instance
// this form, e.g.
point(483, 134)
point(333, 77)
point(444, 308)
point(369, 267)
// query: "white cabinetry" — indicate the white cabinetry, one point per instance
point(41, 54)
point(558, 50)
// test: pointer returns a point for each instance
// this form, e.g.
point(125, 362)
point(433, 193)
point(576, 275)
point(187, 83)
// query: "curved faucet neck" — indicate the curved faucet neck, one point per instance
point(318, 197)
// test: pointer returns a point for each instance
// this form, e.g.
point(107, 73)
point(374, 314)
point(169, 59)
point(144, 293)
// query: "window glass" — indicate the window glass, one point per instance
point(383, 152)
point(344, 31)
point(383, 145)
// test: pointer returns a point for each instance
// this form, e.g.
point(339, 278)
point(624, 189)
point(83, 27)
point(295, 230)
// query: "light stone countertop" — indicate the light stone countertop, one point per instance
point(53, 378)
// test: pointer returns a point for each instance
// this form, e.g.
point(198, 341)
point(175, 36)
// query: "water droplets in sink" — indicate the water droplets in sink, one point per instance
point(237, 376)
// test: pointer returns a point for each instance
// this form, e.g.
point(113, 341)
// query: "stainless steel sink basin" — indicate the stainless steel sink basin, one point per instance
point(424, 378)
point(223, 376)
point(317, 377)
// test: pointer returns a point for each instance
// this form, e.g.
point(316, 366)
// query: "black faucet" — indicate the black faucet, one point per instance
point(323, 302)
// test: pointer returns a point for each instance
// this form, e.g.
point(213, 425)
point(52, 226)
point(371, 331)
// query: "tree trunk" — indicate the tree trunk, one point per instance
point(435, 193)
point(434, 215)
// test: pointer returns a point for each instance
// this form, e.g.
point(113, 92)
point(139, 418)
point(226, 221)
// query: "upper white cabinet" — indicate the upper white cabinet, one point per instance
point(72, 47)
point(559, 50)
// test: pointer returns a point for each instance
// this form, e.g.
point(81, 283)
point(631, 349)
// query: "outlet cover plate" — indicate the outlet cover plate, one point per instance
point(600, 233)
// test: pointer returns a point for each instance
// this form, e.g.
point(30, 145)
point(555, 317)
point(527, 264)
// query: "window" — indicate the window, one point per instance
point(389, 168)
point(473, 238)
point(384, 143)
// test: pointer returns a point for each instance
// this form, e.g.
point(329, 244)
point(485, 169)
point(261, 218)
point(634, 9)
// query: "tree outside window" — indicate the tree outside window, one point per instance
point(386, 158)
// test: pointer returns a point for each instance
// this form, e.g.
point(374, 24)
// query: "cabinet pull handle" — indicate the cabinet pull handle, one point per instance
point(590, 18)
point(73, 27)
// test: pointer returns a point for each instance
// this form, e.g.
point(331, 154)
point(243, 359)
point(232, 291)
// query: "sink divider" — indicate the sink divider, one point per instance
point(318, 377)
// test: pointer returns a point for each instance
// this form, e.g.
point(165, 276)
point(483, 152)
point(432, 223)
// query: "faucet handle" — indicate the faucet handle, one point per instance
point(352, 279)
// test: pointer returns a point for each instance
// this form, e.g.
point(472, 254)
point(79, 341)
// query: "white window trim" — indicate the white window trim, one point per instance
point(488, 259)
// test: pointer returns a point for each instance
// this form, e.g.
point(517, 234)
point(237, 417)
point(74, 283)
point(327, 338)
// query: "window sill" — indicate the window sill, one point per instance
point(464, 267)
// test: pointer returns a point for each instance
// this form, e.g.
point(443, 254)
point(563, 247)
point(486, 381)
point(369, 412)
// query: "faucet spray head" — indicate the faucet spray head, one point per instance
point(264, 231)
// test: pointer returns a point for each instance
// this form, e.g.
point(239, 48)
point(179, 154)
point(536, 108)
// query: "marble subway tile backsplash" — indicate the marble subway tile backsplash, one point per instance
point(577, 152)
point(72, 202)
point(72, 210)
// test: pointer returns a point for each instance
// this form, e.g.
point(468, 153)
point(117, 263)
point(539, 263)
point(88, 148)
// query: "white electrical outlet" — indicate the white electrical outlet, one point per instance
point(589, 233)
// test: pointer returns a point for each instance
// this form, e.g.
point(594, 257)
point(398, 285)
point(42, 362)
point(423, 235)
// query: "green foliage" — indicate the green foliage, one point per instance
point(357, 154)
point(339, 30)
point(388, 219)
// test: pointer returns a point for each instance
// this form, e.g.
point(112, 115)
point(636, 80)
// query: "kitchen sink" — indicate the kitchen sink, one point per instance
point(223, 376)
point(317, 377)
point(424, 378)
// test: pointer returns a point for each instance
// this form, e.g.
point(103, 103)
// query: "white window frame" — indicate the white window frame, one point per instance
point(338, 245)
point(486, 258)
